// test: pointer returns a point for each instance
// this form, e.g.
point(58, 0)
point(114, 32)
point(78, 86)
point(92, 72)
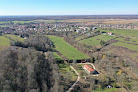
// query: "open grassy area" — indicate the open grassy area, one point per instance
point(133, 40)
point(4, 41)
point(22, 22)
point(123, 32)
point(129, 46)
point(66, 49)
point(4, 22)
point(94, 41)
point(57, 57)
point(14, 37)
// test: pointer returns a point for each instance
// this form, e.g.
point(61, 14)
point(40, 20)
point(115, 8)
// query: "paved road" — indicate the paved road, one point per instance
point(76, 80)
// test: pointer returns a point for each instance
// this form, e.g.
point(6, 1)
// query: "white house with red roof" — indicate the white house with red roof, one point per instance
point(88, 69)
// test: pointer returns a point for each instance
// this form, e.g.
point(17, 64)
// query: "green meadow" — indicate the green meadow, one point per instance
point(4, 41)
point(57, 57)
point(129, 46)
point(123, 32)
point(94, 41)
point(22, 22)
point(14, 37)
point(66, 49)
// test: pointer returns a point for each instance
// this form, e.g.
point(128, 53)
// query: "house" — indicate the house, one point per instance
point(89, 69)
point(110, 33)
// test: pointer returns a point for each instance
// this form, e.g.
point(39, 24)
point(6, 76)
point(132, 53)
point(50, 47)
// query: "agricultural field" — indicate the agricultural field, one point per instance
point(104, 21)
point(22, 22)
point(133, 40)
point(66, 49)
point(14, 37)
point(94, 41)
point(129, 46)
point(122, 32)
point(4, 22)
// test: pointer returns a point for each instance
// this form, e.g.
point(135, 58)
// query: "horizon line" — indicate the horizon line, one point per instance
point(76, 15)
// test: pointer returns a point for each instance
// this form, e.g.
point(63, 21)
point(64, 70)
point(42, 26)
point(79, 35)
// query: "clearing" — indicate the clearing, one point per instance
point(66, 49)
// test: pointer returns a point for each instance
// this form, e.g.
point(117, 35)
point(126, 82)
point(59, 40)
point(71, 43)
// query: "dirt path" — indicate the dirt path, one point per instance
point(71, 88)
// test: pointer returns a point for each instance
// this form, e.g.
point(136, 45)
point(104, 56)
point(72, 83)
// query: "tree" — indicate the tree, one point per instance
point(103, 43)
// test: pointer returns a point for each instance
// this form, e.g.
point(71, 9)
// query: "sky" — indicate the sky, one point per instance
point(68, 7)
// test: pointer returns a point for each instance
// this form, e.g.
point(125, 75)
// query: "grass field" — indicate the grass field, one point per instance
point(129, 46)
point(4, 41)
point(57, 57)
point(14, 37)
point(66, 49)
point(4, 22)
point(22, 22)
point(94, 41)
point(123, 32)
point(133, 40)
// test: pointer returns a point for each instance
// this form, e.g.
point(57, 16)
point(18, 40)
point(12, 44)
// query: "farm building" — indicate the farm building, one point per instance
point(89, 69)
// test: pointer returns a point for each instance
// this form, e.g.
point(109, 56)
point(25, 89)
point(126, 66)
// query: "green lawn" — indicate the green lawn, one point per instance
point(66, 49)
point(129, 46)
point(14, 37)
point(57, 57)
point(94, 41)
point(4, 41)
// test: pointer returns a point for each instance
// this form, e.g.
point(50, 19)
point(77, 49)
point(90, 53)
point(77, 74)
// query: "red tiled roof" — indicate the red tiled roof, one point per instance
point(89, 68)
